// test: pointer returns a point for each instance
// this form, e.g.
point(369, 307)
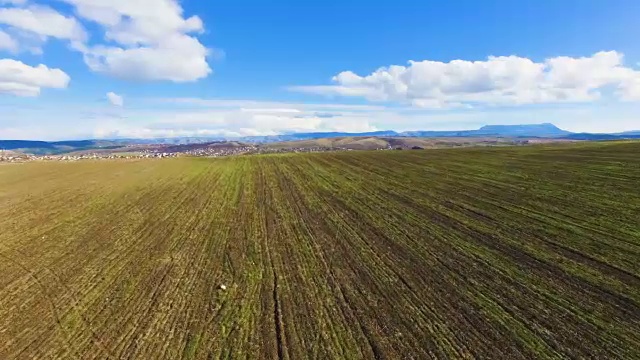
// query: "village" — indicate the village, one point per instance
point(95, 156)
point(170, 152)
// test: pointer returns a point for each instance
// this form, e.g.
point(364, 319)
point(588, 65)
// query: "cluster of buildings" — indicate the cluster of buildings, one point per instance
point(169, 153)
point(14, 158)
point(96, 156)
point(140, 155)
point(245, 150)
point(219, 151)
point(268, 150)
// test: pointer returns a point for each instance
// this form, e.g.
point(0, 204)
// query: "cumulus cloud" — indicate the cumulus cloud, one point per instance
point(230, 124)
point(115, 99)
point(19, 79)
point(179, 59)
point(218, 117)
point(629, 89)
point(154, 41)
point(230, 118)
point(43, 21)
point(142, 40)
point(504, 80)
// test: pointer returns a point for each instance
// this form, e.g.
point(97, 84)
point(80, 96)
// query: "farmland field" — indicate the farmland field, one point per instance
point(510, 253)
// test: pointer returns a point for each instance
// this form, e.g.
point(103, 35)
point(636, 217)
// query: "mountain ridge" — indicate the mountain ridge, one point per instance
point(544, 130)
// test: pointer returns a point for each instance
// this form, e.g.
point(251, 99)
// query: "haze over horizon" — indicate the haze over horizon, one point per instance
point(79, 69)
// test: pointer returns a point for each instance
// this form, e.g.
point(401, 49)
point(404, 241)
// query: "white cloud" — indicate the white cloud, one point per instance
point(7, 42)
point(154, 40)
point(215, 117)
point(143, 39)
point(19, 79)
point(150, 119)
point(629, 90)
point(43, 21)
point(115, 99)
point(226, 124)
point(253, 118)
point(22, 40)
point(227, 103)
point(179, 59)
point(505, 80)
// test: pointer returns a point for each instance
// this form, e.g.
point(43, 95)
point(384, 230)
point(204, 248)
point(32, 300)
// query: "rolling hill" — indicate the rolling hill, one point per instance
point(365, 139)
point(375, 142)
point(56, 147)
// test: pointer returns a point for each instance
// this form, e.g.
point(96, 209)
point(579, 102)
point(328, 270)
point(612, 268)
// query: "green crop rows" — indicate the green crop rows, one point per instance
point(510, 253)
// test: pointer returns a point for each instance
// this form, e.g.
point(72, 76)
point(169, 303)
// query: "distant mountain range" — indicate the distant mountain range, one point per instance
point(56, 147)
point(535, 130)
point(545, 130)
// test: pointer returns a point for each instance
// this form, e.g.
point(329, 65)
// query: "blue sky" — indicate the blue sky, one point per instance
point(157, 68)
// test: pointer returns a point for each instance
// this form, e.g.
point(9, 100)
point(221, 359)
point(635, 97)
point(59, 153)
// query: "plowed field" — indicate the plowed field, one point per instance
point(510, 253)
